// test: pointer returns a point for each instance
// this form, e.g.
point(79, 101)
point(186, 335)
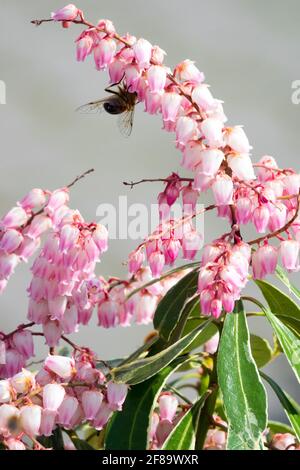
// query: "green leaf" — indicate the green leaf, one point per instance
point(276, 427)
point(210, 330)
point(183, 436)
point(281, 274)
point(291, 407)
point(261, 350)
point(244, 396)
point(129, 429)
point(79, 443)
point(171, 307)
point(280, 304)
point(288, 340)
point(142, 369)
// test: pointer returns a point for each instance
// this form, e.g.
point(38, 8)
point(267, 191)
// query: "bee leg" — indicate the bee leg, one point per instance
point(114, 84)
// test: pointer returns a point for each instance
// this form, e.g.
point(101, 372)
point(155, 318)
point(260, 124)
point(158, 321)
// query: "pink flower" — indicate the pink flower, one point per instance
point(91, 402)
point(7, 413)
point(52, 330)
point(67, 411)
point(67, 13)
point(142, 51)
point(35, 199)
point(53, 395)
point(212, 130)
point(100, 237)
point(69, 321)
point(14, 363)
point(135, 261)
point(15, 444)
point(23, 382)
point(68, 238)
point(116, 394)
point(203, 97)
point(223, 190)
point(116, 71)
point(157, 76)
point(60, 365)
point(243, 210)
point(189, 198)
point(156, 263)
point(5, 391)
point(210, 162)
point(170, 106)
point(15, 218)
point(164, 428)
point(31, 419)
point(47, 422)
point(261, 217)
point(104, 53)
point(236, 138)
point(289, 251)
point(186, 129)
point(10, 241)
point(167, 407)
point(282, 441)
point(108, 314)
point(211, 346)
point(187, 71)
point(23, 342)
point(192, 154)
point(58, 198)
point(277, 217)
point(191, 244)
point(84, 47)
point(57, 307)
point(152, 102)
point(241, 166)
point(264, 261)
point(102, 416)
point(40, 224)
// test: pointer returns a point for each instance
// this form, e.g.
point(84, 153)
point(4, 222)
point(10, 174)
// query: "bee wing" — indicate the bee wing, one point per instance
point(92, 107)
point(125, 122)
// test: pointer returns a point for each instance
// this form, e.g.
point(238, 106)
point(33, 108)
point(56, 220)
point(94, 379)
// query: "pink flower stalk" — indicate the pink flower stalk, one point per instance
point(116, 394)
point(91, 402)
point(167, 407)
point(60, 365)
point(67, 13)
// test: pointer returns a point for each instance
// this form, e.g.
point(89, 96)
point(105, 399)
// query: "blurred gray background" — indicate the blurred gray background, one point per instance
point(249, 52)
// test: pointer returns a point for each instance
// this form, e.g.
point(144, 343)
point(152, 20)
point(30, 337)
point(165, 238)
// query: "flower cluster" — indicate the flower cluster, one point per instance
point(218, 156)
point(66, 392)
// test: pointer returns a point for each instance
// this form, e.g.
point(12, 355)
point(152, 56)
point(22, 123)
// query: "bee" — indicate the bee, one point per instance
point(121, 101)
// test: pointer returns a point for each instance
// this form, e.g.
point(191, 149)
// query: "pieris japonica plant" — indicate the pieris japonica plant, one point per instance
point(199, 309)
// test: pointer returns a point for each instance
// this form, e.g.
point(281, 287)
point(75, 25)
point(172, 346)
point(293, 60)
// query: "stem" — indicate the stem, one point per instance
point(80, 177)
point(155, 180)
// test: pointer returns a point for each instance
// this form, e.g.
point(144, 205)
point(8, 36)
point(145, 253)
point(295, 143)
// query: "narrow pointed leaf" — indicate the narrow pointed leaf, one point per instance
point(280, 303)
point(288, 341)
point(183, 436)
point(281, 274)
point(142, 369)
point(129, 429)
point(291, 407)
point(171, 307)
point(244, 396)
point(261, 350)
